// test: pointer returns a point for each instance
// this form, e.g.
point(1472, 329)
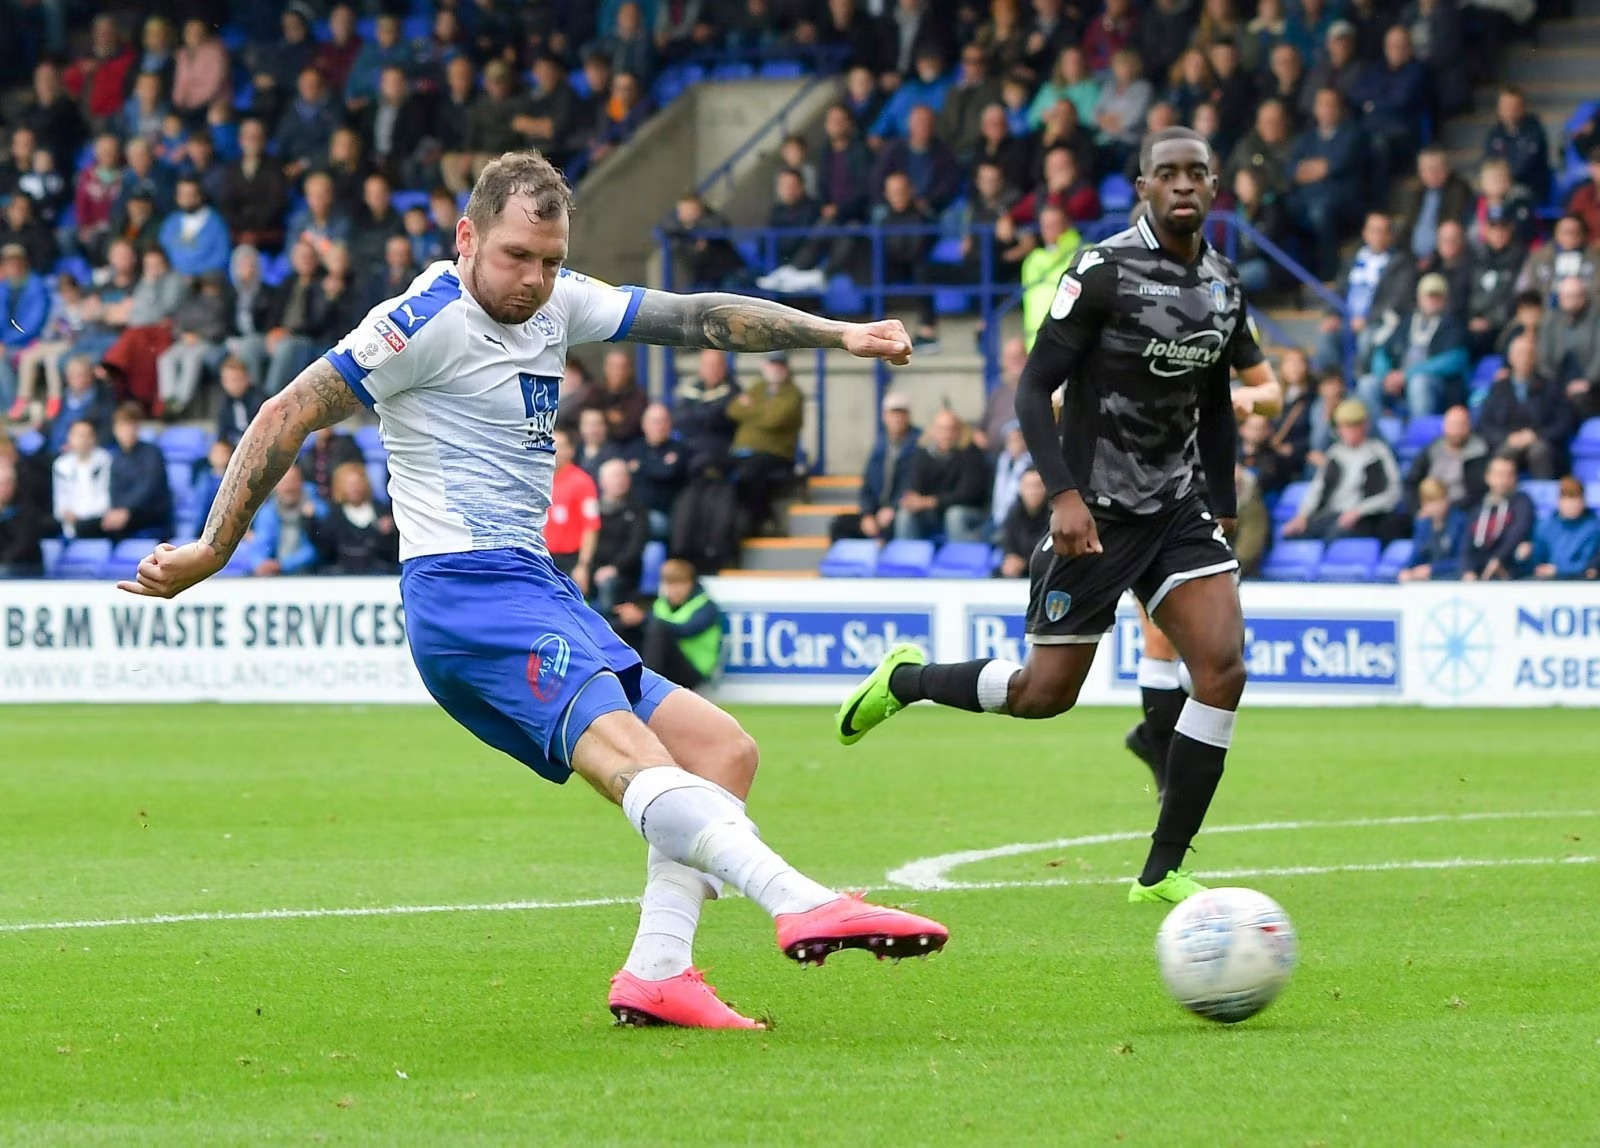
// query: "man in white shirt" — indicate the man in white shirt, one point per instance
point(464, 370)
point(81, 483)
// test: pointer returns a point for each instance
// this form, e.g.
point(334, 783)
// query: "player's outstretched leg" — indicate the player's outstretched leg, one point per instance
point(1162, 694)
point(1203, 619)
point(659, 983)
point(1046, 686)
point(698, 824)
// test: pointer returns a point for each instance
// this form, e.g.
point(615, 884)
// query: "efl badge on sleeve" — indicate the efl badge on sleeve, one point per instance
point(1066, 295)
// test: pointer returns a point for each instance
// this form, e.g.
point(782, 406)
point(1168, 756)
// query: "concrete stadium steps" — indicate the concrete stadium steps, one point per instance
point(1560, 71)
point(783, 555)
point(833, 490)
point(767, 574)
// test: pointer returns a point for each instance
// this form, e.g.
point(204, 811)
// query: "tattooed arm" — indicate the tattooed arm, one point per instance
point(317, 398)
point(740, 323)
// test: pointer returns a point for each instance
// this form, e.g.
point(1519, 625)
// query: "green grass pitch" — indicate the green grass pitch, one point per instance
point(1446, 993)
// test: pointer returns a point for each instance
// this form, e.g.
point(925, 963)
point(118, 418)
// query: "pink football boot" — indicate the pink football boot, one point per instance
point(684, 1000)
point(848, 922)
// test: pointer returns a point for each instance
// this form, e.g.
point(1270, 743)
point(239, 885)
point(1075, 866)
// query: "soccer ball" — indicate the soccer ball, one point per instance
point(1226, 954)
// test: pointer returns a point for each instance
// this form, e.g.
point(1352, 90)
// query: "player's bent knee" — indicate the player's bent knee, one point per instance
point(1221, 680)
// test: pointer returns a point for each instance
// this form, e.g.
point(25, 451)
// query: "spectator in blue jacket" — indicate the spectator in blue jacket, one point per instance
point(24, 310)
point(141, 501)
point(386, 49)
point(82, 400)
point(1566, 545)
point(887, 472)
point(280, 537)
point(1436, 537)
point(240, 400)
point(923, 158)
point(1527, 414)
point(1393, 97)
point(661, 468)
point(1326, 165)
point(1499, 526)
point(926, 87)
point(1422, 358)
point(1518, 138)
point(194, 236)
point(307, 124)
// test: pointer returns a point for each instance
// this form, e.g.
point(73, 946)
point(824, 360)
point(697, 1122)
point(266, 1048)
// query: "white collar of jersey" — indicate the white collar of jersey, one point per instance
point(1147, 233)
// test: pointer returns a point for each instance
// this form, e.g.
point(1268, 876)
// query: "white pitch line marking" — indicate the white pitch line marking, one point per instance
point(314, 914)
point(928, 873)
point(905, 877)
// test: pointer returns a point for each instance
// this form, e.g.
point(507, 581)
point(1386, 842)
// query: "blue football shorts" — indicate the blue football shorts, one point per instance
point(506, 644)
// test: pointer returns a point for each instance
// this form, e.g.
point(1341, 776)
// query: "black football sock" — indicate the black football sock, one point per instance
point(1194, 770)
point(953, 684)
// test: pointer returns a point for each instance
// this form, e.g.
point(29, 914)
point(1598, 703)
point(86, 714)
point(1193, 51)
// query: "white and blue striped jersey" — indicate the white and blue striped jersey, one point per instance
point(468, 405)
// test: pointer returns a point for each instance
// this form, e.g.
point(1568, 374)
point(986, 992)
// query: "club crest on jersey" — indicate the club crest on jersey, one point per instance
point(1066, 295)
point(1056, 605)
point(1219, 295)
point(545, 325)
point(547, 666)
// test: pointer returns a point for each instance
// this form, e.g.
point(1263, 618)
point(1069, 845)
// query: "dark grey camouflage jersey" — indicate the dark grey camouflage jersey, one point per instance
point(1142, 342)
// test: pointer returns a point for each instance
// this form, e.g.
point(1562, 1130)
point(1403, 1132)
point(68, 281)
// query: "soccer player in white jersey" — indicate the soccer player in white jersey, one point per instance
point(463, 371)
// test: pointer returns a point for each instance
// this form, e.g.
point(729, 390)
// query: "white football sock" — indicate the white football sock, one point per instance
point(994, 685)
point(700, 825)
point(669, 913)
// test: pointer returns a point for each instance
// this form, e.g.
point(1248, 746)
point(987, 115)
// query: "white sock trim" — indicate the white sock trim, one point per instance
point(652, 783)
point(1157, 674)
point(994, 684)
point(1207, 724)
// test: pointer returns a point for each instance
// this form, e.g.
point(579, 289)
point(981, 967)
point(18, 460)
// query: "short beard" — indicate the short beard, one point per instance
point(498, 315)
point(1183, 228)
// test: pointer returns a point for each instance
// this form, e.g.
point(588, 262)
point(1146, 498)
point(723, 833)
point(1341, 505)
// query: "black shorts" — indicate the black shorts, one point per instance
point(1074, 600)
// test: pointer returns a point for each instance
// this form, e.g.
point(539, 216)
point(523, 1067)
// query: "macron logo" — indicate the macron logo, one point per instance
point(1090, 258)
point(412, 319)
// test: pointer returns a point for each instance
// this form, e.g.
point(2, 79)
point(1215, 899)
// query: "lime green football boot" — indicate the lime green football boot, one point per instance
point(871, 703)
point(1178, 885)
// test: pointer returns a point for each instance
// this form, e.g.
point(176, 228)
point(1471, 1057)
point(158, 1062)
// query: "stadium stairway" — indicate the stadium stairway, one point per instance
point(1560, 72)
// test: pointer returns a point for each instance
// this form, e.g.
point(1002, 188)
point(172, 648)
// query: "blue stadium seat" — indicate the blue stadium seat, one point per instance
point(184, 443)
point(1485, 372)
point(850, 558)
point(1591, 494)
point(1396, 557)
point(946, 251)
point(50, 549)
point(1289, 501)
point(84, 558)
point(275, 269)
point(905, 558)
point(949, 301)
point(1116, 194)
point(1586, 470)
point(734, 71)
point(370, 440)
point(1545, 492)
point(843, 297)
point(1585, 444)
point(963, 560)
point(29, 441)
point(76, 266)
point(367, 28)
point(1292, 560)
point(1349, 560)
point(407, 198)
point(131, 551)
point(378, 475)
point(1391, 429)
point(1422, 430)
point(782, 70)
point(418, 27)
point(655, 553)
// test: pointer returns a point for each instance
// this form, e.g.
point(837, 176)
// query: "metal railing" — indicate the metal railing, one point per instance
point(992, 300)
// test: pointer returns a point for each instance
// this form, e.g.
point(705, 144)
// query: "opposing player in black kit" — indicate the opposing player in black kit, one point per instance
point(1143, 331)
